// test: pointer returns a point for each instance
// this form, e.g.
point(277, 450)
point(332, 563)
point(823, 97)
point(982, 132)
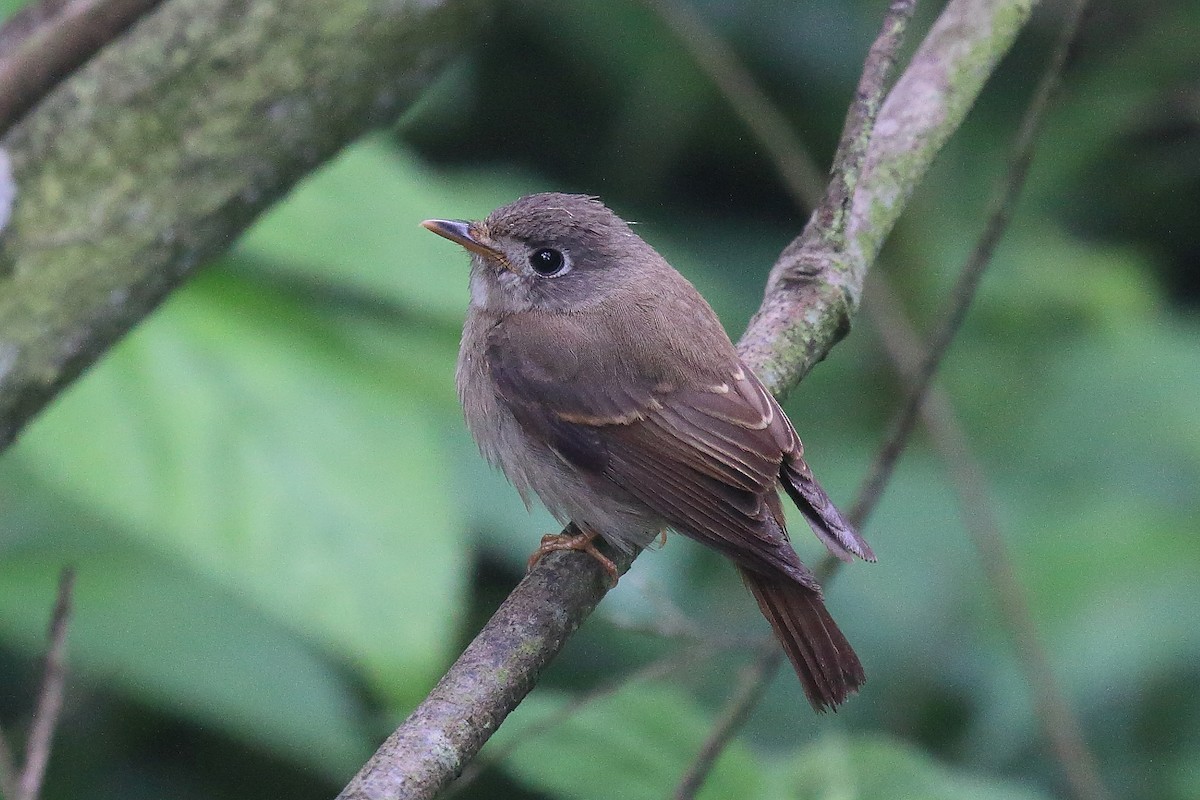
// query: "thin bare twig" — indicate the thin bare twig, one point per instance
point(970, 484)
point(967, 284)
point(50, 697)
point(655, 669)
point(796, 167)
point(752, 682)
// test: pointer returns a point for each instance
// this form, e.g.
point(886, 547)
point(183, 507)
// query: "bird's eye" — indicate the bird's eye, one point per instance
point(546, 261)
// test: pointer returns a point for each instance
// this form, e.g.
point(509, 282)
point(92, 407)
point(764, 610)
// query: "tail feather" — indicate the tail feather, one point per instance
point(827, 666)
point(827, 522)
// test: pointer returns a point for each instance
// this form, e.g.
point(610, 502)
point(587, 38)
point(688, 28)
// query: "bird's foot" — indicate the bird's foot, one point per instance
point(583, 541)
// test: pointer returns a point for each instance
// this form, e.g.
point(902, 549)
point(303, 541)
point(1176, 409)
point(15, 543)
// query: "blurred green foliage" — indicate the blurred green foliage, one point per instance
point(283, 533)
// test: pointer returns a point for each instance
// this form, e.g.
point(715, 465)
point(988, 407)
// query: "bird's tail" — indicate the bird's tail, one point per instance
point(827, 666)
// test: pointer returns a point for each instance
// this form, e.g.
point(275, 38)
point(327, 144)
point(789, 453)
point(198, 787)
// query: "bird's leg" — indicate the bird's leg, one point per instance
point(581, 540)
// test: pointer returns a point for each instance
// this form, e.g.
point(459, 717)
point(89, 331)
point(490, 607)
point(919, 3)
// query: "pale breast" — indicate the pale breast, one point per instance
point(533, 468)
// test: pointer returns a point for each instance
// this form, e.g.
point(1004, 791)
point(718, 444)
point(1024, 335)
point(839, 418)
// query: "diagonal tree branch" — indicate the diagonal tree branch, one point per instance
point(970, 484)
point(50, 698)
point(969, 277)
point(27, 785)
point(45, 41)
point(796, 167)
point(154, 155)
point(655, 670)
point(772, 131)
point(810, 298)
point(802, 316)
point(1058, 720)
point(752, 683)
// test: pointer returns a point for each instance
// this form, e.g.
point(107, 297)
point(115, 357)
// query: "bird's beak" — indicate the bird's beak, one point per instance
point(466, 234)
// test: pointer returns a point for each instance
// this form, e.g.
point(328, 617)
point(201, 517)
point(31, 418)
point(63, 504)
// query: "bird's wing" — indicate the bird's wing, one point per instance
point(706, 458)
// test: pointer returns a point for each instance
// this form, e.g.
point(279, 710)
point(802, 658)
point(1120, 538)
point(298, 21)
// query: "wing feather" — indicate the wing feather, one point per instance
point(706, 457)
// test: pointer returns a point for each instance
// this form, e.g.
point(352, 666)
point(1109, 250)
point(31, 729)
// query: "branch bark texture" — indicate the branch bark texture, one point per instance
point(802, 316)
point(489, 680)
point(156, 154)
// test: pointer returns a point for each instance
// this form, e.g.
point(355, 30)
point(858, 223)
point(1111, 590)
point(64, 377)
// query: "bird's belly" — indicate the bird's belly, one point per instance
point(534, 469)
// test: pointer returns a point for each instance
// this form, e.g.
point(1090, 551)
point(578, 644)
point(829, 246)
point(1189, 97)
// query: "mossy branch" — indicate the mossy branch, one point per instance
point(816, 284)
point(154, 156)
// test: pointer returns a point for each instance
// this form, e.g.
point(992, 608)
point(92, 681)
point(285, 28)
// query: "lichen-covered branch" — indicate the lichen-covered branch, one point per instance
point(802, 316)
point(159, 151)
point(489, 680)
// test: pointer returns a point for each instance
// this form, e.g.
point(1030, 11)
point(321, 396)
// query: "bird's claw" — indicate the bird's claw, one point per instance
point(584, 542)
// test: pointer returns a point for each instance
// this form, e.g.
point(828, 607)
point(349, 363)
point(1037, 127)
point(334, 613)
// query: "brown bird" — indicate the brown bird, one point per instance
point(597, 378)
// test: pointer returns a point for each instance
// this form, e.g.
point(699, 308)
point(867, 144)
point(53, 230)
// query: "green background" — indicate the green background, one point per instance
point(283, 533)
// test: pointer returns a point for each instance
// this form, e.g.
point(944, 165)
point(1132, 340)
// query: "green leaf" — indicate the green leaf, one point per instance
point(1108, 506)
point(10, 7)
point(634, 744)
point(837, 767)
point(357, 222)
point(232, 434)
point(145, 626)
